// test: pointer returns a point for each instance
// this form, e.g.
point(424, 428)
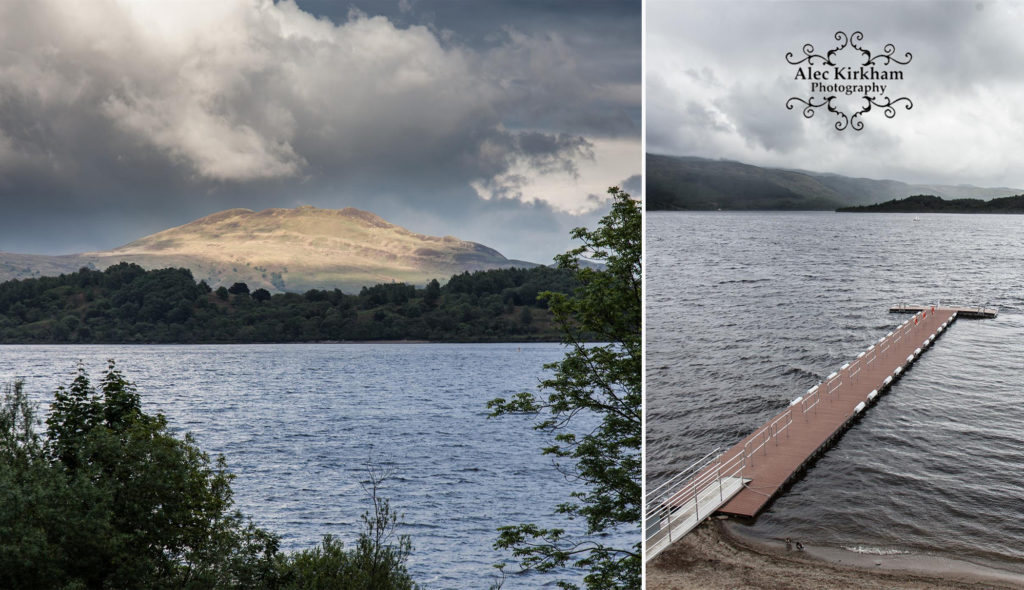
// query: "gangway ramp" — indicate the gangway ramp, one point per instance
point(681, 503)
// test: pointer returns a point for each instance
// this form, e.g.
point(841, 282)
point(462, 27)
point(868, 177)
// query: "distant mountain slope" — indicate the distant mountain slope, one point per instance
point(933, 204)
point(681, 183)
point(284, 250)
point(689, 183)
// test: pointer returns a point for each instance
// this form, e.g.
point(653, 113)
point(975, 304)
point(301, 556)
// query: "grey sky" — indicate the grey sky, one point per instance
point(717, 83)
point(500, 122)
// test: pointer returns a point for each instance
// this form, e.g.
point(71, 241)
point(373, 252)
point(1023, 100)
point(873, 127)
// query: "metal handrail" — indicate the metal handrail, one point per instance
point(692, 490)
point(681, 494)
point(788, 416)
point(803, 404)
point(699, 463)
point(764, 434)
point(672, 509)
point(831, 389)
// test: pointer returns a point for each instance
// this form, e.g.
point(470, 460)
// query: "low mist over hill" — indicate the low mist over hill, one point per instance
point(284, 250)
point(688, 183)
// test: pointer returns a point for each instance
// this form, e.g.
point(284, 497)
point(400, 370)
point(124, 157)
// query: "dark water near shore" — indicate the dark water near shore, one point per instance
point(745, 311)
point(297, 424)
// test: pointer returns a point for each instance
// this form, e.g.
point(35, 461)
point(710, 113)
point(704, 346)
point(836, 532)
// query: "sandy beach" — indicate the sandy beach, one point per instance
point(716, 555)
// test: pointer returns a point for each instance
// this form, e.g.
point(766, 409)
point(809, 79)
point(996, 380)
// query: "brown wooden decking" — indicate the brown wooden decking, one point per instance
point(777, 451)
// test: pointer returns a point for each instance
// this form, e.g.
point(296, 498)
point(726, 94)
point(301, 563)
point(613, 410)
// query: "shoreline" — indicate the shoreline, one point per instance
point(716, 555)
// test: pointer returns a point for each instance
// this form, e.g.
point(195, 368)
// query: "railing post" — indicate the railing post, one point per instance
point(669, 520)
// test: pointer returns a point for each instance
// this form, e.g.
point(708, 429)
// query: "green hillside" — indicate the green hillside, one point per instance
point(681, 183)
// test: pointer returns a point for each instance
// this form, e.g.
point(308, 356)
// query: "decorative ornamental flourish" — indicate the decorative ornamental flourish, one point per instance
point(825, 80)
point(889, 111)
point(886, 54)
point(826, 59)
point(809, 105)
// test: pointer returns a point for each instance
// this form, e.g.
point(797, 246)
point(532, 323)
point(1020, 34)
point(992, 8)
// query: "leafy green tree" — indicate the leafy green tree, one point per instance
point(107, 497)
point(433, 292)
point(603, 382)
point(159, 514)
point(261, 295)
point(110, 499)
point(526, 316)
point(239, 289)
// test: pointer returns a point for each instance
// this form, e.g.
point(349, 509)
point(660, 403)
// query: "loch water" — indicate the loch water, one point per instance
point(747, 310)
point(298, 423)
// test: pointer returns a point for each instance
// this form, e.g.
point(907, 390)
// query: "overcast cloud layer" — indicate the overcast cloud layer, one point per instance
point(506, 127)
point(718, 81)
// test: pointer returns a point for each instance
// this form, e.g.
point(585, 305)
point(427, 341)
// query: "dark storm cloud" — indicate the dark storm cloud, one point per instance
point(718, 82)
point(119, 118)
point(632, 185)
point(605, 35)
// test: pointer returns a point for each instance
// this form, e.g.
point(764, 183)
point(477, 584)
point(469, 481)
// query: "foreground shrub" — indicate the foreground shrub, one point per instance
point(107, 497)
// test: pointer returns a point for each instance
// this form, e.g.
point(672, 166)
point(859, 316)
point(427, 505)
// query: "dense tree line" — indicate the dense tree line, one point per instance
point(933, 204)
point(105, 496)
point(127, 304)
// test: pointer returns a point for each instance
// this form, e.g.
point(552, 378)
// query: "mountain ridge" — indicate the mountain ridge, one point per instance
point(284, 250)
point(693, 183)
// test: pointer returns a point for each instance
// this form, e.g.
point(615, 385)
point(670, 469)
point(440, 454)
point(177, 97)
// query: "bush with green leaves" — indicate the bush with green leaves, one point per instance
point(107, 497)
point(377, 562)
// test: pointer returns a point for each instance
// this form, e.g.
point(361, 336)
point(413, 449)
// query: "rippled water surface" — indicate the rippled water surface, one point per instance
point(745, 311)
point(297, 423)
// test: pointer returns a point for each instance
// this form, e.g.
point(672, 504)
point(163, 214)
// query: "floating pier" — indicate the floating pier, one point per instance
point(744, 479)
